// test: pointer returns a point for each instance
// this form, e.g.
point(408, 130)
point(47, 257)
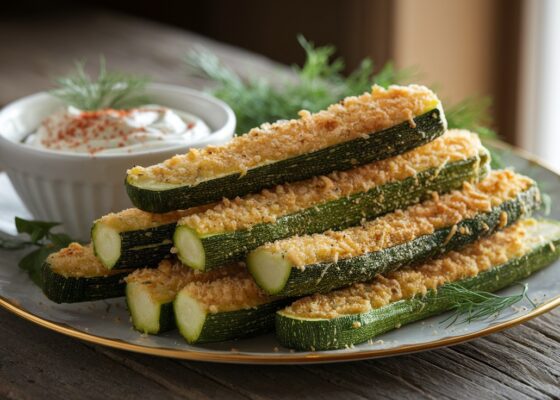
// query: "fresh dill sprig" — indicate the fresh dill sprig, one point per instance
point(109, 90)
point(473, 305)
point(473, 114)
point(319, 83)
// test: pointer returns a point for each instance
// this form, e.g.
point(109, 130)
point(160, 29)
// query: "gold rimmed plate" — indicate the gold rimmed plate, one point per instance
point(107, 322)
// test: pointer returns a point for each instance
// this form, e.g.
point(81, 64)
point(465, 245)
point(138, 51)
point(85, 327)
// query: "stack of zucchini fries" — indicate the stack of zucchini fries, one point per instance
point(329, 229)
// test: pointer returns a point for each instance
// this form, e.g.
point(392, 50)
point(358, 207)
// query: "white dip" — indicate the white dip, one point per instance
point(110, 131)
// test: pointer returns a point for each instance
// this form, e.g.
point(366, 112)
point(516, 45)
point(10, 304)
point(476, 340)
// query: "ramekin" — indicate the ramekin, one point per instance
point(76, 189)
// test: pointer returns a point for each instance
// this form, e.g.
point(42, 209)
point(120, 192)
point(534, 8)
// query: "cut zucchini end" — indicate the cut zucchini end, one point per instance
point(189, 248)
point(190, 317)
point(149, 184)
point(147, 195)
point(145, 312)
point(437, 105)
point(541, 230)
point(270, 270)
point(106, 244)
point(303, 333)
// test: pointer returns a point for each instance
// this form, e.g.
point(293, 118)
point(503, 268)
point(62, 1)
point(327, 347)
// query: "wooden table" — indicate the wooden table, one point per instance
point(522, 362)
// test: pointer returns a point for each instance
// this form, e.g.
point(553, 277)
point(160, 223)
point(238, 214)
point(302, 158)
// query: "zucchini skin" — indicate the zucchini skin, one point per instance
point(144, 248)
point(339, 333)
point(383, 144)
point(324, 277)
point(239, 324)
point(166, 319)
point(61, 289)
point(223, 248)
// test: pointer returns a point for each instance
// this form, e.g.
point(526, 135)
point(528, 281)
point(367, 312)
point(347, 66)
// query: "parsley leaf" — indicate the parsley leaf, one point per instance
point(33, 262)
point(41, 239)
point(37, 230)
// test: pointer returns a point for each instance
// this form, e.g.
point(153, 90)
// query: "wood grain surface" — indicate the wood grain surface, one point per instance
point(520, 363)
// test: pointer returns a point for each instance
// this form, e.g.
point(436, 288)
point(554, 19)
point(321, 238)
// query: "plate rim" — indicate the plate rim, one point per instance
point(293, 358)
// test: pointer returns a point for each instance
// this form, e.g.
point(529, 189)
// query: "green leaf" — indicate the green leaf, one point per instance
point(37, 230)
point(60, 240)
point(41, 237)
point(33, 262)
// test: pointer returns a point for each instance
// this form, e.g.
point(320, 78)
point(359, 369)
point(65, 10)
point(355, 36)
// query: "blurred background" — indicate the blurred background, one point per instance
point(505, 49)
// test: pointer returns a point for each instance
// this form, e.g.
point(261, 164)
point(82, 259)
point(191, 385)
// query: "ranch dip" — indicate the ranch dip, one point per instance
point(111, 131)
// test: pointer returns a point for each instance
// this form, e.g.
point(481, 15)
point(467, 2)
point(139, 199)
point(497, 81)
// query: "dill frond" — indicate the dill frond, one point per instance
point(473, 114)
point(109, 90)
point(474, 305)
point(317, 84)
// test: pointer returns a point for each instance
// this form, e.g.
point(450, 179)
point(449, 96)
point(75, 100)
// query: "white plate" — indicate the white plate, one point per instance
point(107, 322)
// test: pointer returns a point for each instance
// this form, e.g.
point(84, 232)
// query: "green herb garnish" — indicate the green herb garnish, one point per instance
point(109, 90)
point(474, 305)
point(40, 238)
point(473, 114)
point(317, 84)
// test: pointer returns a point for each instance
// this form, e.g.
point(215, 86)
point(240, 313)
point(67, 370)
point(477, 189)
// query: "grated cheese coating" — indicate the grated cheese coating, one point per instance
point(228, 294)
point(270, 204)
point(133, 219)
point(409, 282)
point(351, 118)
point(402, 225)
point(78, 261)
point(165, 281)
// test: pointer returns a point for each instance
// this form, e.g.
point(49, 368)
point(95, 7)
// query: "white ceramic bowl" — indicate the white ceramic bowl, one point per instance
point(75, 189)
